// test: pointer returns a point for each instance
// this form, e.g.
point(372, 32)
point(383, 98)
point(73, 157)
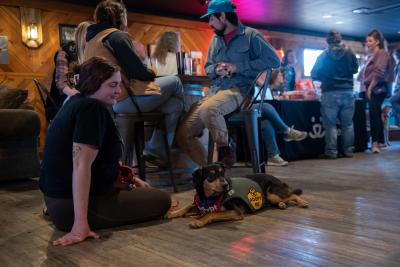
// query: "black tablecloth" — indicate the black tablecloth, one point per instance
point(306, 116)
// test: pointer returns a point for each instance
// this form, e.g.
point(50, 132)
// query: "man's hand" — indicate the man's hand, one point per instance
point(225, 69)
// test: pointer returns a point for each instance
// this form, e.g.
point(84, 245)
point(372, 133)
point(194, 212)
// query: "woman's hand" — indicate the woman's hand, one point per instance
point(79, 232)
point(369, 94)
point(140, 183)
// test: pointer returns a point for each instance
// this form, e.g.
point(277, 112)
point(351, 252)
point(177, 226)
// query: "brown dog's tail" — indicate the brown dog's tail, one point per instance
point(298, 192)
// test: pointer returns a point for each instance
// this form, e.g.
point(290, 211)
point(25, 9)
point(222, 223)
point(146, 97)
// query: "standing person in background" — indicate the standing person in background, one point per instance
point(289, 72)
point(81, 163)
point(236, 55)
point(164, 55)
point(376, 76)
point(395, 99)
point(334, 68)
point(107, 38)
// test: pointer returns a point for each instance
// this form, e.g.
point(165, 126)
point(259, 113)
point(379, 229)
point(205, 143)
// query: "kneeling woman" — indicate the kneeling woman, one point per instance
point(81, 163)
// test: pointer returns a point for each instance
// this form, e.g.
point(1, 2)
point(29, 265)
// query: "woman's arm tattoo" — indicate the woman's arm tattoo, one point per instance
point(76, 149)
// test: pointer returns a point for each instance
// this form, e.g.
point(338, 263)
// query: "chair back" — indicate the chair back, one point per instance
point(45, 94)
point(261, 81)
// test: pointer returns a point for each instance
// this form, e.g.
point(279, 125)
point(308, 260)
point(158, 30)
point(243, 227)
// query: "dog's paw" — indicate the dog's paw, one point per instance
point(282, 205)
point(303, 204)
point(195, 224)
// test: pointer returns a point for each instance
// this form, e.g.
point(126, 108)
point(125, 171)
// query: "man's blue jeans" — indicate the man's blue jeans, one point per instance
point(338, 106)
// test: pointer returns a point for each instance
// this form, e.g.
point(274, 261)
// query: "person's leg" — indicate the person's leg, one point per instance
point(172, 109)
point(213, 110)
point(113, 209)
point(170, 102)
point(375, 111)
point(329, 112)
point(346, 123)
point(270, 114)
point(187, 136)
point(128, 207)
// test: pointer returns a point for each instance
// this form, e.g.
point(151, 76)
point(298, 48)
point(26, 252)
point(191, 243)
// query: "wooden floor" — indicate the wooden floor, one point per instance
point(353, 220)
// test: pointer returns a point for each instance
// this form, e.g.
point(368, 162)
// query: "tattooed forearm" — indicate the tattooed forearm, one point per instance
point(76, 150)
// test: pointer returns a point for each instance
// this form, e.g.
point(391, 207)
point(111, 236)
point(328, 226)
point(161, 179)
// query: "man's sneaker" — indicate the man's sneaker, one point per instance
point(276, 161)
point(294, 135)
point(227, 154)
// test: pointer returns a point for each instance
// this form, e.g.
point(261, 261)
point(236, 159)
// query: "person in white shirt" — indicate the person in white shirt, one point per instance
point(164, 55)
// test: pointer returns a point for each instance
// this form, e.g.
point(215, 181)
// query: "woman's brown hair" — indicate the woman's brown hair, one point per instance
point(112, 12)
point(378, 37)
point(92, 73)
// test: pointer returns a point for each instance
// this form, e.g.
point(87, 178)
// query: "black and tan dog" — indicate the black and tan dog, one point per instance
point(219, 198)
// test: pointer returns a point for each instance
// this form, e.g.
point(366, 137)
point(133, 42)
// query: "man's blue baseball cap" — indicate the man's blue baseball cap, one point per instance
point(218, 6)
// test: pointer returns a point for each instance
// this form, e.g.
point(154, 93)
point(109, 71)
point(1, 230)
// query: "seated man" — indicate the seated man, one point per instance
point(236, 55)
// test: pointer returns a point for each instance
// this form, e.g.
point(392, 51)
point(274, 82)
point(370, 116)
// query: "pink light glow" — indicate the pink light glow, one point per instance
point(252, 11)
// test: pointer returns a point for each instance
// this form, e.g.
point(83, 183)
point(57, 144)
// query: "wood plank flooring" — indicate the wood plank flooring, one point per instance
point(353, 220)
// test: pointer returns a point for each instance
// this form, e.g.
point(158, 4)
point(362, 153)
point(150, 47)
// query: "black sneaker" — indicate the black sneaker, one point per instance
point(227, 154)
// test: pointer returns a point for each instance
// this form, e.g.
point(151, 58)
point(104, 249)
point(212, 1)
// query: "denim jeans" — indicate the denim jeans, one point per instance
point(271, 124)
point(338, 106)
point(170, 102)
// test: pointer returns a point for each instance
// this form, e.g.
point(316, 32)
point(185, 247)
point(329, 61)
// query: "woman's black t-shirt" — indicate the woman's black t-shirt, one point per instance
point(86, 121)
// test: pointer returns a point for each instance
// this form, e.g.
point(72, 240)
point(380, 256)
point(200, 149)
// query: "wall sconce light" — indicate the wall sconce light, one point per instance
point(31, 27)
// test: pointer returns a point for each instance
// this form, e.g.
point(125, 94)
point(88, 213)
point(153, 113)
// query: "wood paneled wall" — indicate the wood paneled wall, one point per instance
point(26, 63)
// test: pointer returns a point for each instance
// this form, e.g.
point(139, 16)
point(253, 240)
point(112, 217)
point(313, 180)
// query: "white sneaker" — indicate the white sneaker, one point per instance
point(277, 161)
point(294, 135)
point(375, 148)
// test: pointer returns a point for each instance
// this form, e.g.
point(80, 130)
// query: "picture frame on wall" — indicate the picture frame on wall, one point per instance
point(67, 33)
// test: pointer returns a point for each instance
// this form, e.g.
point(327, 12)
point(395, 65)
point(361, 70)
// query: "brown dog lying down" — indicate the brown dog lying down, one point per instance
point(219, 198)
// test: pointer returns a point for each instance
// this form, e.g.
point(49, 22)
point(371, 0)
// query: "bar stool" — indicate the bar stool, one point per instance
point(131, 127)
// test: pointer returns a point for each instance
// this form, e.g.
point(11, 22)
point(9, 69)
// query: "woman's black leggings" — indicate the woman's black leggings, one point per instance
point(114, 209)
point(375, 111)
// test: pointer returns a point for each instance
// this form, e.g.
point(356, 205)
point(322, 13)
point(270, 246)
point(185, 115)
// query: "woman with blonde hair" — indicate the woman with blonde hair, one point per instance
point(164, 56)
point(80, 39)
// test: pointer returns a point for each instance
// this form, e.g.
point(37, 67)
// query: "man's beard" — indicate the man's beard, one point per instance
point(220, 32)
